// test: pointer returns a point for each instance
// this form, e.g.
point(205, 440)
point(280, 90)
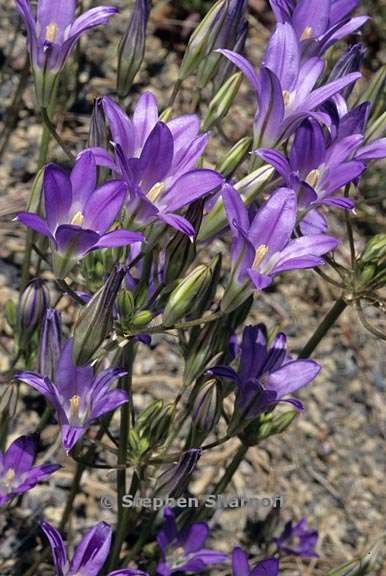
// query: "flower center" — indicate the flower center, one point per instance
point(177, 557)
point(286, 97)
point(51, 32)
point(313, 177)
point(9, 477)
point(155, 192)
point(77, 219)
point(74, 407)
point(307, 33)
point(260, 254)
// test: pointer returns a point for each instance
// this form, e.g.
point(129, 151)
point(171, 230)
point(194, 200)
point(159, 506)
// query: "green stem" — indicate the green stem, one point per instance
point(126, 413)
point(53, 132)
point(328, 321)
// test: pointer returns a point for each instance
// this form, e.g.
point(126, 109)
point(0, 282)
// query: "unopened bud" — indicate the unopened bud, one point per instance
point(95, 319)
point(157, 424)
point(180, 251)
point(248, 187)
point(132, 47)
point(234, 157)
point(189, 290)
point(282, 422)
point(33, 303)
point(97, 136)
point(173, 481)
point(50, 344)
point(206, 404)
point(221, 103)
point(375, 249)
point(203, 38)
point(141, 318)
point(126, 305)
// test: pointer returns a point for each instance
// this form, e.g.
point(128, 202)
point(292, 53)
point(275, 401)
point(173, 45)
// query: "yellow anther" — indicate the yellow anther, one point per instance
point(51, 32)
point(307, 33)
point(77, 219)
point(74, 406)
point(286, 97)
point(313, 177)
point(260, 254)
point(155, 192)
point(9, 477)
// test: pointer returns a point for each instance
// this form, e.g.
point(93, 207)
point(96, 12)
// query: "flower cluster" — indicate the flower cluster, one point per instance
point(148, 235)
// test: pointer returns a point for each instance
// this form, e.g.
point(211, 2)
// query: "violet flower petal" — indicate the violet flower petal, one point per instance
point(91, 553)
point(56, 543)
point(104, 205)
point(145, 118)
point(57, 195)
point(292, 376)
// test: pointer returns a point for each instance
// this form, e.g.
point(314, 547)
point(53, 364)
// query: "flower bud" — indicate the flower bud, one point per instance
point(203, 38)
point(223, 100)
point(234, 157)
point(375, 249)
point(349, 62)
point(132, 47)
point(232, 28)
point(202, 351)
point(156, 421)
point(50, 344)
point(189, 290)
point(97, 136)
point(374, 90)
point(173, 481)
point(126, 305)
point(282, 422)
point(33, 303)
point(181, 251)
point(248, 187)
point(206, 402)
point(141, 318)
point(95, 319)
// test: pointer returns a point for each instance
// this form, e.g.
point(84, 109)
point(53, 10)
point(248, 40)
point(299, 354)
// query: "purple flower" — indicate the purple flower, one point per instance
point(78, 395)
point(183, 550)
point(89, 556)
point(267, 374)
point(263, 248)
point(240, 565)
point(319, 174)
point(17, 473)
point(52, 36)
point(285, 86)
point(78, 216)
point(297, 540)
point(158, 162)
point(318, 23)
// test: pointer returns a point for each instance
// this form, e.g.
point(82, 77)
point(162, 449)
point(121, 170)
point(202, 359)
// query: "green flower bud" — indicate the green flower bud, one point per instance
point(282, 422)
point(180, 251)
point(132, 47)
point(221, 103)
point(33, 303)
point(188, 293)
point(234, 157)
point(203, 39)
point(11, 313)
point(97, 136)
point(141, 318)
point(95, 319)
point(156, 428)
point(206, 402)
point(248, 187)
point(375, 249)
point(126, 304)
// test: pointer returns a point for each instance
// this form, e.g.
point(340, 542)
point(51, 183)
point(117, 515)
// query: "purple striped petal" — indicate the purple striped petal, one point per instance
point(274, 221)
point(104, 205)
point(338, 176)
point(312, 14)
point(57, 196)
point(83, 180)
point(74, 241)
point(373, 151)
point(145, 118)
point(321, 94)
point(121, 127)
point(118, 238)
point(283, 55)
point(190, 187)
point(268, 120)
point(61, 14)
point(34, 222)
point(293, 376)
point(92, 552)
point(56, 543)
point(179, 223)
point(243, 64)
point(277, 160)
point(156, 157)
